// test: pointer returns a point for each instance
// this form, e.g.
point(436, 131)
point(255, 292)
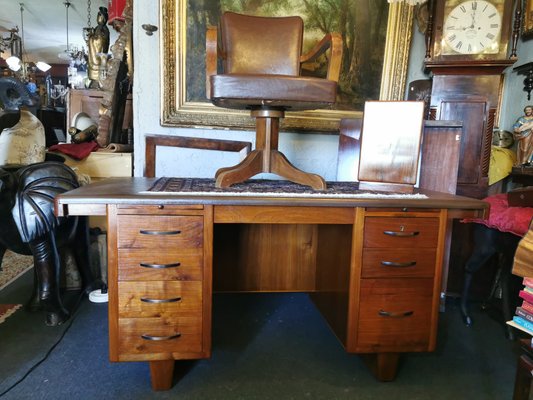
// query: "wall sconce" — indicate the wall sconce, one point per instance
point(527, 70)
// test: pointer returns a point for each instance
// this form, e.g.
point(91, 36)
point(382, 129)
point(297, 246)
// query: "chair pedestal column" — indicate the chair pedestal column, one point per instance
point(266, 157)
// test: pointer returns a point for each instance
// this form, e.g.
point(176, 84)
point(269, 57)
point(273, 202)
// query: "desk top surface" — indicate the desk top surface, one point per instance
point(124, 191)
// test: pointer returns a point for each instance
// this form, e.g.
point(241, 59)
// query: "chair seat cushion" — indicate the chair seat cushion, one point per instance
point(292, 93)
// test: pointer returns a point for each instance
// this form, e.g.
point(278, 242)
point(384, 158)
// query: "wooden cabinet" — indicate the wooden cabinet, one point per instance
point(395, 279)
point(159, 274)
point(471, 97)
point(88, 101)
point(396, 286)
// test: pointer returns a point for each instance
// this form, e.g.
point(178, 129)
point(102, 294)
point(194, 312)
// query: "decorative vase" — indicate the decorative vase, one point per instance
point(24, 143)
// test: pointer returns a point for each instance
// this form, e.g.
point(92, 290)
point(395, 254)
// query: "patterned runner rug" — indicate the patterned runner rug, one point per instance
point(7, 310)
point(269, 188)
point(13, 266)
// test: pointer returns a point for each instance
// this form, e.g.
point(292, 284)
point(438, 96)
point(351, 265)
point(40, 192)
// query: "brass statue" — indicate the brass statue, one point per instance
point(98, 44)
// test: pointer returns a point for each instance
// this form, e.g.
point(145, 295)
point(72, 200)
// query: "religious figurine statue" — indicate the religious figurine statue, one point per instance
point(98, 44)
point(523, 133)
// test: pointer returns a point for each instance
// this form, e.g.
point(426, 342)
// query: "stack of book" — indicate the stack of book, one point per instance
point(523, 319)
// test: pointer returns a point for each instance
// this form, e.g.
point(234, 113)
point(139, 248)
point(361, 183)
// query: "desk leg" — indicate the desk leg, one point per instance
point(384, 366)
point(161, 373)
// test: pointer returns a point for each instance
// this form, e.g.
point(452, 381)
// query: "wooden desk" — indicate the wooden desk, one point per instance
point(372, 266)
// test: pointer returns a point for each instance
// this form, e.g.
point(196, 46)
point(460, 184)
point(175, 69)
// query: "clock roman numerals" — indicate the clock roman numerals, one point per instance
point(472, 27)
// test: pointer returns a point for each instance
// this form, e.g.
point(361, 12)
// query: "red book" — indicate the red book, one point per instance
point(526, 296)
point(527, 306)
point(528, 282)
point(524, 314)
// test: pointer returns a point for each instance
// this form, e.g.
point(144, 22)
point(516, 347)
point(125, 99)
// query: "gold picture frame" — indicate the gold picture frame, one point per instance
point(527, 26)
point(177, 110)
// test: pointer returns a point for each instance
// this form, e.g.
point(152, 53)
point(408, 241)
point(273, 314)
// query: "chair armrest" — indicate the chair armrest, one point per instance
point(211, 57)
point(333, 40)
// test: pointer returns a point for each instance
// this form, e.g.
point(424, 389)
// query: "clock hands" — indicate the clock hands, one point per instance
point(472, 27)
point(473, 24)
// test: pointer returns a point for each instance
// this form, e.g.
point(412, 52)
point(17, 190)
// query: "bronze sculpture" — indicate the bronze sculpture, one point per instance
point(98, 44)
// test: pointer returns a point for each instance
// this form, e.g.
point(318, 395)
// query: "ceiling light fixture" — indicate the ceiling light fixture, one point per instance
point(72, 53)
point(16, 61)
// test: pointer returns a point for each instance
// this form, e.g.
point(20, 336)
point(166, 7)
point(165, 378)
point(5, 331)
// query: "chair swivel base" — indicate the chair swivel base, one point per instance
point(279, 165)
point(266, 157)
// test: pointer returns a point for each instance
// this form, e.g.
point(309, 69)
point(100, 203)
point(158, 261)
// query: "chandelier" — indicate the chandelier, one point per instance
point(76, 56)
point(16, 61)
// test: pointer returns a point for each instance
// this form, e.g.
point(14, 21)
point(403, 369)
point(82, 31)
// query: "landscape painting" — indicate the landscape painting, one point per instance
point(374, 56)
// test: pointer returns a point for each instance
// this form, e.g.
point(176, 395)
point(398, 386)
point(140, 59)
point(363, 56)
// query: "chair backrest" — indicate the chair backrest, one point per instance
point(261, 45)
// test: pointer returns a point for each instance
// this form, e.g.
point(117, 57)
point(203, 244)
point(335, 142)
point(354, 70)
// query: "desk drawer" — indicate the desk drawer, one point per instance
point(395, 315)
point(396, 263)
point(160, 232)
point(159, 299)
point(401, 232)
point(170, 335)
point(176, 264)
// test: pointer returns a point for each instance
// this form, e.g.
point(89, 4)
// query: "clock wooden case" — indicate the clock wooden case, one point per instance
point(468, 46)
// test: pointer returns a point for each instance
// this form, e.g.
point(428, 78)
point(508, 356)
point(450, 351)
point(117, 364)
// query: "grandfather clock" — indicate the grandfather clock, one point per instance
point(468, 46)
point(469, 43)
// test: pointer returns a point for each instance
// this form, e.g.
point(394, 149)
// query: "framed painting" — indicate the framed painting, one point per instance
point(527, 26)
point(376, 36)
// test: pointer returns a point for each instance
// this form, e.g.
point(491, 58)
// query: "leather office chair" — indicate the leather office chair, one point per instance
point(262, 72)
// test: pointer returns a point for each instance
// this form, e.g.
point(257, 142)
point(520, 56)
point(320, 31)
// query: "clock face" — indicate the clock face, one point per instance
point(472, 27)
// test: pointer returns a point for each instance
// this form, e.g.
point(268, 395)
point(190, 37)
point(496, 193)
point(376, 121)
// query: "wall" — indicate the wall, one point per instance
point(315, 153)
point(514, 97)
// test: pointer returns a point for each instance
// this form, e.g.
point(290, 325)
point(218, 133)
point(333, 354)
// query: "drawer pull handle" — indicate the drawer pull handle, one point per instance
point(160, 301)
point(148, 232)
point(398, 264)
point(172, 265)
point(158, 338)
point(395, 315)
point(401, 234)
